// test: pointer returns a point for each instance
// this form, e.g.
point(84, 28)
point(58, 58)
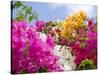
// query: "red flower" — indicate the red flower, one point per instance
point(90, 22)
point(76, 47)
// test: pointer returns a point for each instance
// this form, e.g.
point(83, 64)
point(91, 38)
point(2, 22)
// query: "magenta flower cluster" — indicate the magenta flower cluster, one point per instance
point(29, 52)
point(86, 48)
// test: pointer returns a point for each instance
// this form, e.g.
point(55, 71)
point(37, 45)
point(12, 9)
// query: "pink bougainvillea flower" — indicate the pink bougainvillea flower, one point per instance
point(50, 40)
point(40, 25)
point(29, 52)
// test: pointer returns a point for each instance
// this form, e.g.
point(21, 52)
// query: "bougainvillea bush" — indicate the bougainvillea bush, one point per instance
point(52, 46)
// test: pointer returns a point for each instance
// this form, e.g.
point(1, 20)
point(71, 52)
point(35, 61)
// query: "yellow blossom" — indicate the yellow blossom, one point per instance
point(72, 23)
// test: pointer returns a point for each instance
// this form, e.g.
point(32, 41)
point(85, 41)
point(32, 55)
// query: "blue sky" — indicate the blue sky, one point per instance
point(53, 11)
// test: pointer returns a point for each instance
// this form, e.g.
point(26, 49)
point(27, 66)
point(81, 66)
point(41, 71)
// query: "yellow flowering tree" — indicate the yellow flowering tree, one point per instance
point(73, 23)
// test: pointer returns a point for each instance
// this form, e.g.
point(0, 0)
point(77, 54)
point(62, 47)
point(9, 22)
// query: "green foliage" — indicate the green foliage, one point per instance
point(16, 4)
point(87, 64)
point(24, 11)
point(30, 18)
point(41, 70)
point(23, 71)
point(83, 45)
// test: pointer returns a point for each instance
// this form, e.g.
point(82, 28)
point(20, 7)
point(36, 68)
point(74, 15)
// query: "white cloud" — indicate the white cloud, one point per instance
point(90, 10)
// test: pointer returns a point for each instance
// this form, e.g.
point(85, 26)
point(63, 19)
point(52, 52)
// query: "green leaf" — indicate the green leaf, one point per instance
point(58, 42)
point(83, 45)
point(20, 17)
point(28, 10)
point(41, 70)
point(30, 18)
point(23, 71)
point(18, 4)
point(45, 31)
point(24, 12)
point(87, 64)
point(24, 7)
point(35, 15)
